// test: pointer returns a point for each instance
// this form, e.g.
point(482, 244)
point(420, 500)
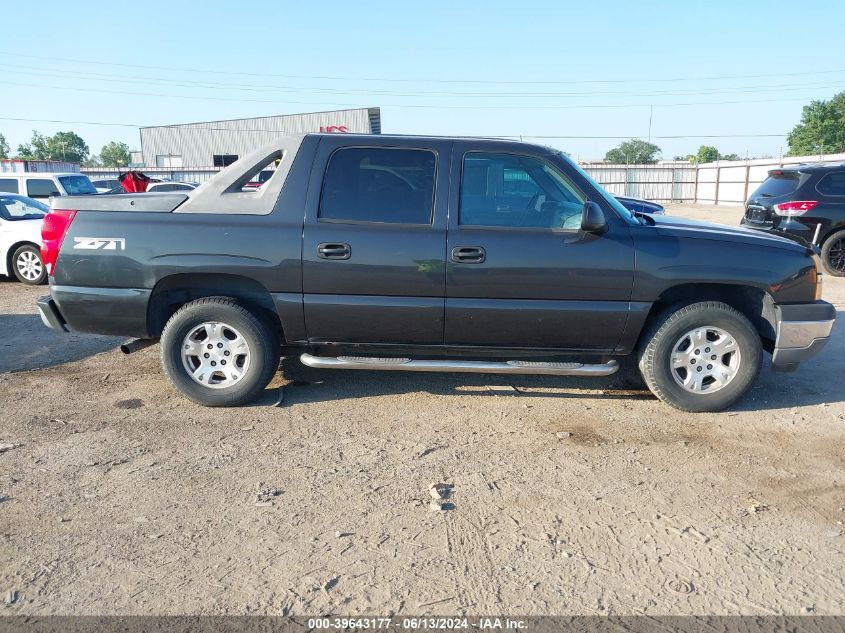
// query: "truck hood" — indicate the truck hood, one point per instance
point(681, 227)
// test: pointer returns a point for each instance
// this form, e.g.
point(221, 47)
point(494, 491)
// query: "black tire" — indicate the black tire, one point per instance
point(668, 329)
point(27, 265)
point(833, 255)
point(262, 347)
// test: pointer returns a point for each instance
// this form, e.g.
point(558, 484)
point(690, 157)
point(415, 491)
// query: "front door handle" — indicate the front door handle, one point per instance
point(334, 250)
point(469, 254)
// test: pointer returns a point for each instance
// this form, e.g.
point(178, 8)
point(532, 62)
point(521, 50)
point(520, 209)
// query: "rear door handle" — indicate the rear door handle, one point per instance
point(469, 254)
point(334, 250)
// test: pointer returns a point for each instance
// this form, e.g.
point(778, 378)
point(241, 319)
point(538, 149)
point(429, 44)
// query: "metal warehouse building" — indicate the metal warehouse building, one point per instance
point(220, 143)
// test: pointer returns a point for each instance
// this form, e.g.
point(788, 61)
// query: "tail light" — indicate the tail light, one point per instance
point(53, 231)
point(798, 207)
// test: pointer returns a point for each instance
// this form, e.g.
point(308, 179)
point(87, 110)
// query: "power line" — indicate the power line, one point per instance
point(423, 80)
point(539, 136)
point(185, 83)
point(399, 105)
point(11, 118)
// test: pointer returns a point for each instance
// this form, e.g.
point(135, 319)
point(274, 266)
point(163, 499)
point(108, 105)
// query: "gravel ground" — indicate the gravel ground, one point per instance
point(120, 497)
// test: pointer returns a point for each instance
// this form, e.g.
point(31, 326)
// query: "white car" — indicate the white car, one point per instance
point(20, 238)
point(42, 185)
point(170, 186)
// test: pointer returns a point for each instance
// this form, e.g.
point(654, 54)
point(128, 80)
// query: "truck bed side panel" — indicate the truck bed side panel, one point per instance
point(123, 256)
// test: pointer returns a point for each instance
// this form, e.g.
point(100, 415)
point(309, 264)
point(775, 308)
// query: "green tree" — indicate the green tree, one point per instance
point(821, 130)
point(636, 151)
point(4, 147)
point(729, 157)
point(67, 146)
point(115, 154)
point(707, 154)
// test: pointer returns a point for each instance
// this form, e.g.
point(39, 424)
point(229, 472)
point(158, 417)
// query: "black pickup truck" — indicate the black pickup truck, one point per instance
point(428, 254)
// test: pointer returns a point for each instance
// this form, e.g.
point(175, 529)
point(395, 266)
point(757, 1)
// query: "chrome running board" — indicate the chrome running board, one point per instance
point(460, 366)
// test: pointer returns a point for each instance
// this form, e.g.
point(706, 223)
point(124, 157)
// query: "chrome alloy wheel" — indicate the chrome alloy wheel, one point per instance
point(215, 355)
point(29, 265)
point(705, 360)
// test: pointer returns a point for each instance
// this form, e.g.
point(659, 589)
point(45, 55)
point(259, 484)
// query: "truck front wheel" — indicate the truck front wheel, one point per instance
point(700, 357)
point(217, 353)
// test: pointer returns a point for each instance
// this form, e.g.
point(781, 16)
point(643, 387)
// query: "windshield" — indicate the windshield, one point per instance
point(21, 208)
point(77, 185)
point(613, 202)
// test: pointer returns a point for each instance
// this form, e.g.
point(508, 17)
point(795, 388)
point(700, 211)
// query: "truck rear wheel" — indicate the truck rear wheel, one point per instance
point(217, 353)
point(700, 357)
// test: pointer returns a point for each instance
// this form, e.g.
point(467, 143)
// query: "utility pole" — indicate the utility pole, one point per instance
point(650, 115)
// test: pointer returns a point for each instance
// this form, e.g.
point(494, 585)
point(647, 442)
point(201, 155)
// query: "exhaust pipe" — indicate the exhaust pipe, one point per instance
point(136, 345)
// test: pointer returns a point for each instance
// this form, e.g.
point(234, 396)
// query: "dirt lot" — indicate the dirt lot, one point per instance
point(123, 498)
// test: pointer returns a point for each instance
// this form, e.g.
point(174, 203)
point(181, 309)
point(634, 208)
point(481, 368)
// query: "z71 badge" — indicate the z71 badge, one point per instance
point(99, 243)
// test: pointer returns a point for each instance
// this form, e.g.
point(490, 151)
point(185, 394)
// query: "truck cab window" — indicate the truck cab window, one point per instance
point(381, 185)
point(513, 191)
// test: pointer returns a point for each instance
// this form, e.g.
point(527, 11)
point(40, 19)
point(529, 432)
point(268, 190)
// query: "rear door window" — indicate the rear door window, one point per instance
point(778, 184)
point(833, 184)
point(9, 185)
point(376, 184)
point(41, 188)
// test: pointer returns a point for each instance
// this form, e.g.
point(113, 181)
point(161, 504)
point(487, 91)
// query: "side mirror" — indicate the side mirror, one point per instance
point(592, 218)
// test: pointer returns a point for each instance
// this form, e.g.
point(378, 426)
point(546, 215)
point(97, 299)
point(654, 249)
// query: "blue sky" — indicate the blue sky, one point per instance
point(487, 68)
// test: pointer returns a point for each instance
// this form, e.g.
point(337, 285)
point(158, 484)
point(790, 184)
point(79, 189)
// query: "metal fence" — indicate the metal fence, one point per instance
point(722, 182)
point(653, 182)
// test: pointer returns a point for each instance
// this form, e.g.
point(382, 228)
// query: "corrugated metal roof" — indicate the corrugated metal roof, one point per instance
point(195, 144)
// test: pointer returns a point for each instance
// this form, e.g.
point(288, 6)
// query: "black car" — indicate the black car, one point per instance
point(638, 205)
point(807, 201)
point(406, 253)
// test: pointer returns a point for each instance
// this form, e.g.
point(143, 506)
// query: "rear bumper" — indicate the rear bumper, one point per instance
point(804, 228)
point(802, 331)
point(50, 315)
point(113, 311)
point(760, 226)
